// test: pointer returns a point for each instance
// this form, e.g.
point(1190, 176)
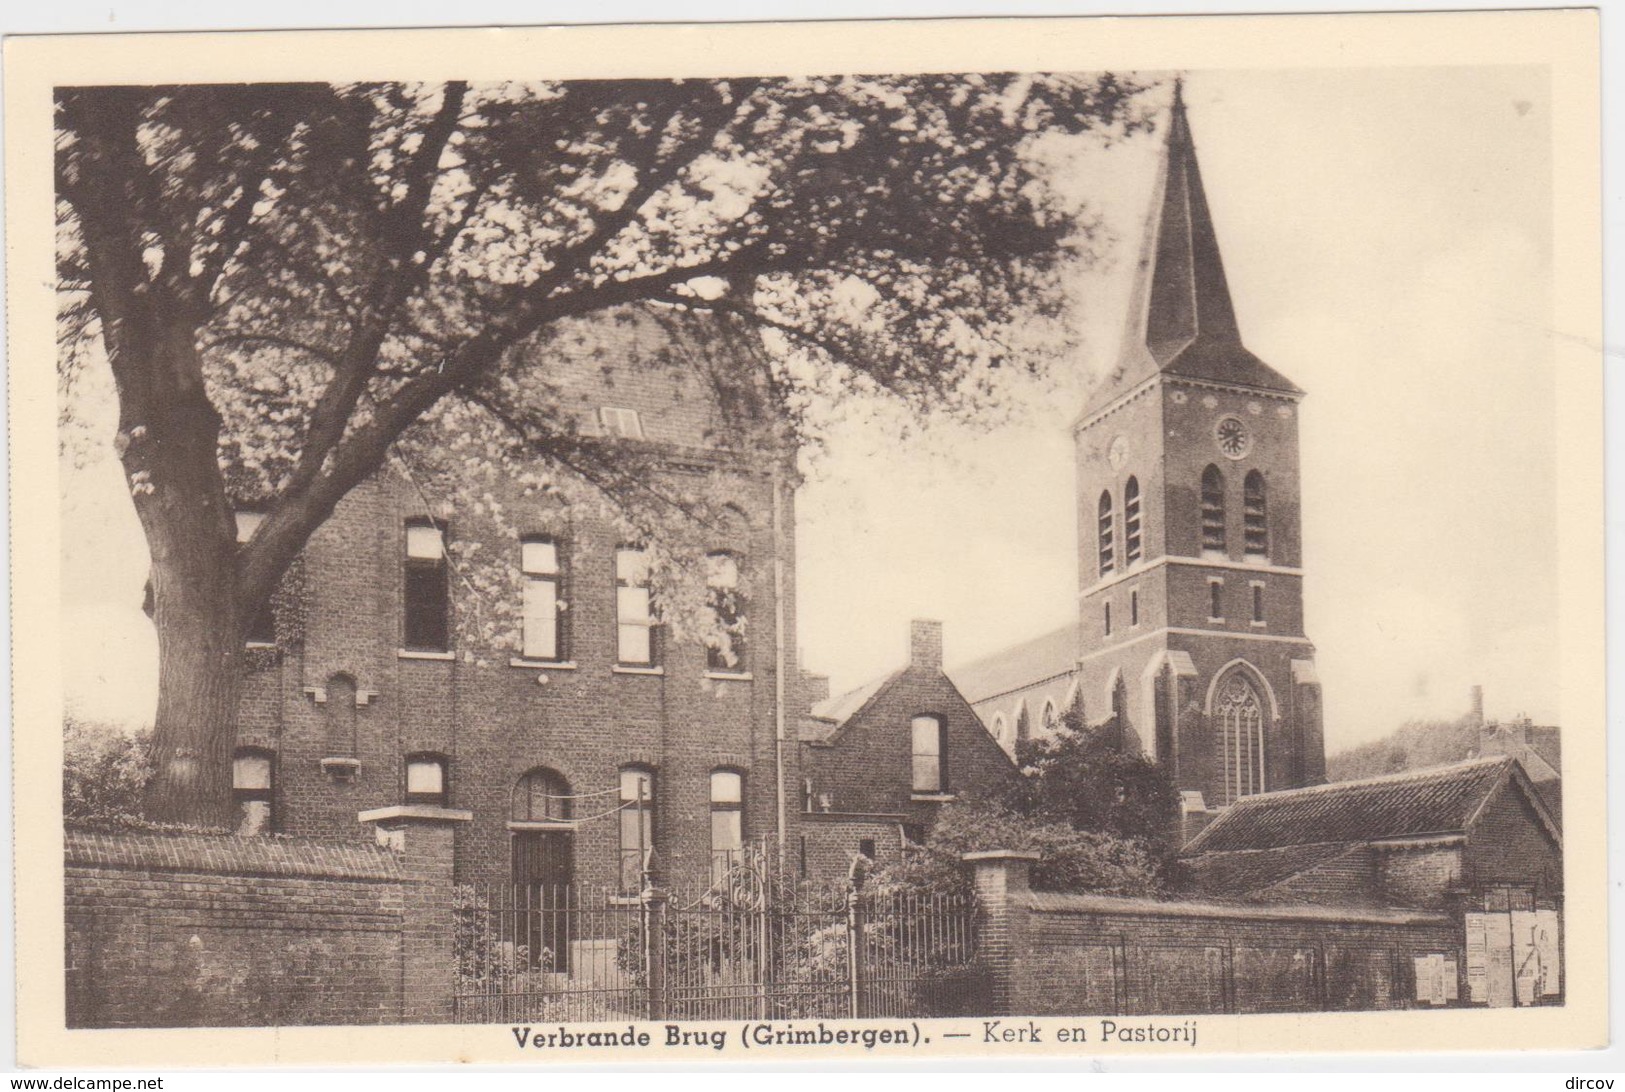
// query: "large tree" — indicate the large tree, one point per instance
point(289, 282)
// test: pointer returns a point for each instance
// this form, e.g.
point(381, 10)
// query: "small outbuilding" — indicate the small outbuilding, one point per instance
point(1477, 831)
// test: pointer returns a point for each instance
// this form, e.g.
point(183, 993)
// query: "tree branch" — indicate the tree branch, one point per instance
point(359, 360)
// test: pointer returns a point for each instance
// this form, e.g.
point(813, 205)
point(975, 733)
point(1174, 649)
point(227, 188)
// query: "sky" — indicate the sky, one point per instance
point(1386, 234)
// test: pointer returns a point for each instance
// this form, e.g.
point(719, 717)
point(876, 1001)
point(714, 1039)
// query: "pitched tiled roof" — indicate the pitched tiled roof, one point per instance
point(1547, 742)
point(1243, 871)
point(1020, 665)
point(829, 714)
point(1438, 800)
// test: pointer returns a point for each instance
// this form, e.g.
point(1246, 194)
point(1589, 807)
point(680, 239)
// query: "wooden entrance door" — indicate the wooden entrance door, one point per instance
point(542, 871)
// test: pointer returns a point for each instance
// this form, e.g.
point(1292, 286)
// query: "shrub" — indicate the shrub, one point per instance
point(104, 771)
point(1069, 860)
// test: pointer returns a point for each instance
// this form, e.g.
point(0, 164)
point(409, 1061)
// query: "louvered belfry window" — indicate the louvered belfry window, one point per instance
point(1213, 510)
point(1107, 557)
point(1131, 521)
point(1255, 519)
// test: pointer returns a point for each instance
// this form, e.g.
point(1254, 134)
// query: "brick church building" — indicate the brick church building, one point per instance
point(1190, 631)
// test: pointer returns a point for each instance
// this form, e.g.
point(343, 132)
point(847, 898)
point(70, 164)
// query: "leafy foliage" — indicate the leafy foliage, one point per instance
point(1413, 745)
point(104, 770)
point(1083, 777)
point(1069, 859)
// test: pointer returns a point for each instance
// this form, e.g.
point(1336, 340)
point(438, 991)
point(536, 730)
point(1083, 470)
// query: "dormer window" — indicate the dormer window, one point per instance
point(620, 421)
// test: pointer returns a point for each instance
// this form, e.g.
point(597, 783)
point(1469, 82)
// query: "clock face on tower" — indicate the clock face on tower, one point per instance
point(1233, 438)
point(1118, 453)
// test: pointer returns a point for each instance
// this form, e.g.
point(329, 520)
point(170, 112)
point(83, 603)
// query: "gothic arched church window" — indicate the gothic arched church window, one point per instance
point(1240, 717)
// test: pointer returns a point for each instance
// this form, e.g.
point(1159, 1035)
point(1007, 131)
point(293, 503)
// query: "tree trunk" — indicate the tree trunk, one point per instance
point(200, 654)
point(198, 611)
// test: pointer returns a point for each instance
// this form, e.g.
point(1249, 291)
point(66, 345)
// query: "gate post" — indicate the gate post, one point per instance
point(1001, 878)
point(654, 901)
point(857, 972)
point(423, 836)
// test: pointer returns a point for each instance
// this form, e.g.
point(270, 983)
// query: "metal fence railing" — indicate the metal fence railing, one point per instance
point(736, 947)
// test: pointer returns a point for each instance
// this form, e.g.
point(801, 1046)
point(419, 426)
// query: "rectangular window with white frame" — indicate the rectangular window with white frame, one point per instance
point(426, 626)
point(929, 760)
point(634, 615)
point(542, 637)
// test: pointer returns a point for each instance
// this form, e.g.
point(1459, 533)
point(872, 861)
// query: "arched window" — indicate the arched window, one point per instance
point(1001, 728)
point(1131, 521)
point(1050, 717)
point(1107, 556)
point(426, 779)
point(1255, 520)
point(1239, 715)
point(251, 772)
point(727, 820)
point(1212, 510)
point(637, 825)
point(541, 796)
point(339, 713)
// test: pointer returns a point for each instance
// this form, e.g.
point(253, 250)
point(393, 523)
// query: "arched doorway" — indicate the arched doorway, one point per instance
point(539, 816)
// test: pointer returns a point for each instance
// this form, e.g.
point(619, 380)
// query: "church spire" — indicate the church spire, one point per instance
point(1184, 290)
point(1180, 318)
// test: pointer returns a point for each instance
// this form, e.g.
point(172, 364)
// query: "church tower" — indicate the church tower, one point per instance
point(1191, 566)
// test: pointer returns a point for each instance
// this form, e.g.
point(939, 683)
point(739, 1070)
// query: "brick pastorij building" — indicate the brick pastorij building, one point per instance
point(589, 734)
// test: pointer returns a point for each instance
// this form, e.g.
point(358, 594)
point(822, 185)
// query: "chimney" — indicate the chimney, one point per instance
point(1478, 705)
point(815, 686)
point(925, 644)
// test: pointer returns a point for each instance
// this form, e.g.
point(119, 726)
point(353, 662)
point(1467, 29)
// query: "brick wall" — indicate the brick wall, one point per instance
point(1420, 876)
point(1095, 955)
point(1510, 844)
point(190, 930)
point(828, 842)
